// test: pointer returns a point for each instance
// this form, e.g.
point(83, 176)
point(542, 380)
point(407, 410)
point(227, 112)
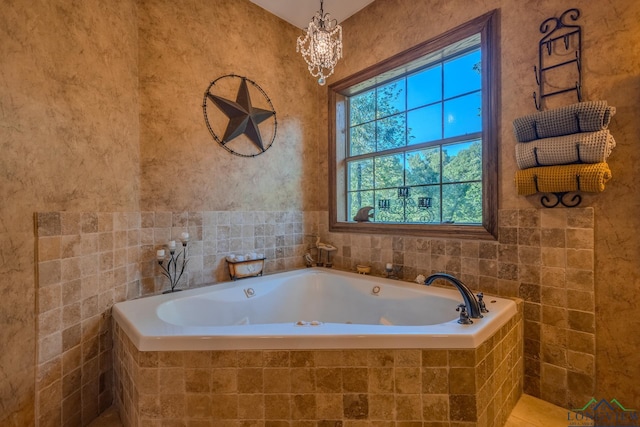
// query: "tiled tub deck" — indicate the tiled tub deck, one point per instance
point(321, 388)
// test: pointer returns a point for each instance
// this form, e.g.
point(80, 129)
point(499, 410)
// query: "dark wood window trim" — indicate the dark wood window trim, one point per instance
point(486, 25)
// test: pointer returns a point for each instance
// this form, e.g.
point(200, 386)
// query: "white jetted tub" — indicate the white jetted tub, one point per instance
point(307, 309)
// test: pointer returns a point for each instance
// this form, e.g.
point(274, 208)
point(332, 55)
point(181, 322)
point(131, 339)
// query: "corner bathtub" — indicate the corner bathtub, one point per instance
point(307, 309)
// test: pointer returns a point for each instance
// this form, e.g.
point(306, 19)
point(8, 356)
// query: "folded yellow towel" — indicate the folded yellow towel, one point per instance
point(559, 179)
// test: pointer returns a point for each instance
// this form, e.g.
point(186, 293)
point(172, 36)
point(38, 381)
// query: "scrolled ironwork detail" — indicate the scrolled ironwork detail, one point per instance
point(573, 13)
point(575, 200)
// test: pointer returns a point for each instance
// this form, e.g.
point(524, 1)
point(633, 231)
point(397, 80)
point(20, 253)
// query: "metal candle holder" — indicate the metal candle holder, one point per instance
point(177, 264)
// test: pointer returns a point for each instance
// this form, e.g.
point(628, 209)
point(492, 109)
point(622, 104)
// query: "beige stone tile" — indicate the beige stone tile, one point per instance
point(555, 316)
point(49, 298)
point(435, 381)
point(51, 397)
point(581, 280)
point(580, 300)
point(250, 406)
point(462, 380)
point(49, 273)
point(529, 218)
point(580, 259)
point(224, 380)
point(329, 405)
point(487, 267)
point(582, 342)
point(580, 238)
point(582, 321)
point(70, 269)
point(198, 406)
point(553, 257)
point(89, 222)
point(552, 296)
point(303, 407)
point(553, 218)
point(435, 407)
point(71, 337)
point(277, 406)
point(581, 362)
point(580, 218)
point(281, 380)
point(70, 246)
point(409, 407)
point(553, 238)
point(72, 383)
point(508, 236)
point(250, 380)
point(71, 292)
point(174, 406)
point(49, 224)
point(49, 248)
point(408, 380)
point(529, 255)
point(171, 380)
point(529, 237)
point(407, 358)
point(508, 218)
point(49, 372)
point(277, 358)
point(71, 360)
point(529, 273)
point(49, 347)
point(89, 265)
point(355, 406)
point(70, 223)
point(462, 407)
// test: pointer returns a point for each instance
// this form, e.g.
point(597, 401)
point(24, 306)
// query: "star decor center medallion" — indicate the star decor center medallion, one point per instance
point(248, 128)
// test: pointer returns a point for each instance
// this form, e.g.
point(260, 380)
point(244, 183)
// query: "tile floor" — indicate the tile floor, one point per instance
point(529, 412)
point(533, 412)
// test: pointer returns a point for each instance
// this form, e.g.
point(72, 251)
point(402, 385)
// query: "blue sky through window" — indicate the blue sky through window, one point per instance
point(442, 102)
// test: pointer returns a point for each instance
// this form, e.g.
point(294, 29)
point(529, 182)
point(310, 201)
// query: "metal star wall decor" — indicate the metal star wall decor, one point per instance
point(243, 117)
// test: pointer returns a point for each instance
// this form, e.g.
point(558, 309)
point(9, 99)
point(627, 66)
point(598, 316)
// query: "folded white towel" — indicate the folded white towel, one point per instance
point(587, 147)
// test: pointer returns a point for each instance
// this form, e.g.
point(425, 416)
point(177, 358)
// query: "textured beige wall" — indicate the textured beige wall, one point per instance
point(72, 138)
point(69, 138)
point(183, 47)
point(610, 72)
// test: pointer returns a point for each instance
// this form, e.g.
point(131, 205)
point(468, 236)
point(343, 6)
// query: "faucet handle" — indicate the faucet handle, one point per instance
point(481, 304)
point(464, 316)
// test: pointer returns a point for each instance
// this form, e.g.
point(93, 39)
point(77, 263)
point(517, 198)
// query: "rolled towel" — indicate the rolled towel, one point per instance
point(581, 117)
point(587, 147)
point(559, 179)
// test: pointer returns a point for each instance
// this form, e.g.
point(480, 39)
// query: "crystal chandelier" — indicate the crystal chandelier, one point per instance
point(321, 45)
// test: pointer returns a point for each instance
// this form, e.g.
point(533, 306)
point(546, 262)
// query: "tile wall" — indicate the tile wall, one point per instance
point(214, 235)
point(545, 257)
point(332, 388)
point(88, 261)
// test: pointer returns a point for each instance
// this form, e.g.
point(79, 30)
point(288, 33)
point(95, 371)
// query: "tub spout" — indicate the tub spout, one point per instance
point(470, 301)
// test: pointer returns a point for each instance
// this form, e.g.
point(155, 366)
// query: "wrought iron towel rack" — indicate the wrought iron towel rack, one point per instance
point(557, 29)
